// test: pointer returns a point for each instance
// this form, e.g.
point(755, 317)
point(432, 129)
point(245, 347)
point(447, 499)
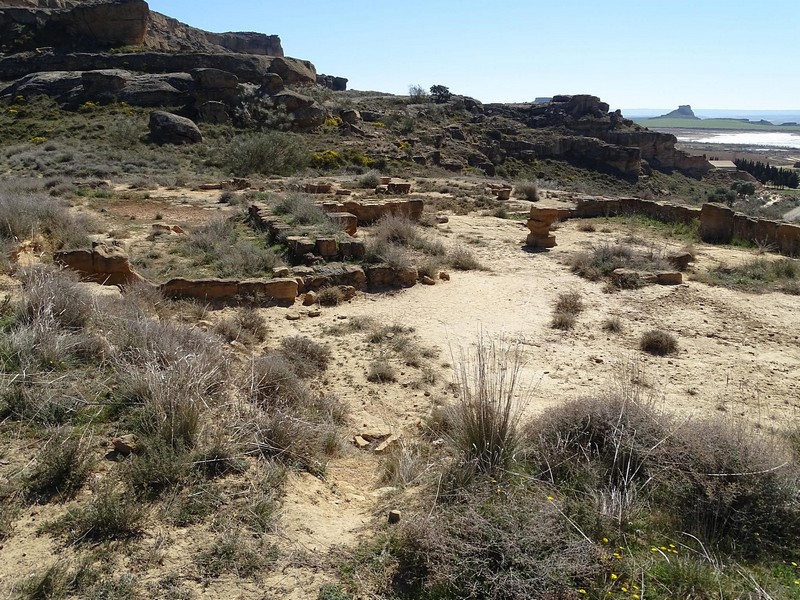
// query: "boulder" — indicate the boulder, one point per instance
point(306, 112)
point(166, 128)
point(213, 112)
point(272, 83)
point(680, 260)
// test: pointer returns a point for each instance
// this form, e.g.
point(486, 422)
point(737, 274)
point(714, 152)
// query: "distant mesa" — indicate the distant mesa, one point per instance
point(682, 112)
point(542, 99)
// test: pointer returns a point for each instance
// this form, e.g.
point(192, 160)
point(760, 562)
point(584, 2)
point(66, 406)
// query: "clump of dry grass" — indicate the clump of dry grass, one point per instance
point(381, 371)
point(658, 342)
point(567, 307)
point(330, 296)
point(463, 259)
point(529, 190)
point(612, 324)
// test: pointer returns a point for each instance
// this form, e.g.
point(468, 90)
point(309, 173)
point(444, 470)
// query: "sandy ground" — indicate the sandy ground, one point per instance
point(739, 355)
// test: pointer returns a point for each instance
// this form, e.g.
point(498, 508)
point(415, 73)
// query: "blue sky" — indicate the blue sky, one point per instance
point(735, 54)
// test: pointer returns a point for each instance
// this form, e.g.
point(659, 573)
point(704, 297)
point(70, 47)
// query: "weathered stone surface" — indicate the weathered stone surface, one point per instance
point(716, 223)
point(669, 278)
point(337, 84)
point(379, 276)
point(166, 128)
point(347, 221)
point(104, 263)
point(248, 68)
point(126, 444)
point(213, 112)
point(278, 290)
point(680, 260)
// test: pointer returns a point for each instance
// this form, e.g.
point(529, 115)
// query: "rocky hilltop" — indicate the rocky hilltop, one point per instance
point(120, 50)
point(581, 129)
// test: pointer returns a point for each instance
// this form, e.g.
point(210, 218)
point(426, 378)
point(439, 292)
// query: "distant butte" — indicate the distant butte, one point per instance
point(682, 112)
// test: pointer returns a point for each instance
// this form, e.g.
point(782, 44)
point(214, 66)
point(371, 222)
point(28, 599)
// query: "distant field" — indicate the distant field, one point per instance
point(728, 124)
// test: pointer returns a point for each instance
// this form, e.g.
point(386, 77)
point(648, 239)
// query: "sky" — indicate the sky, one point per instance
point(734, 54)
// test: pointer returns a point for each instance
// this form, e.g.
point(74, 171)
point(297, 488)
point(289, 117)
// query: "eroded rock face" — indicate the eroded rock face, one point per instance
point(85, 26)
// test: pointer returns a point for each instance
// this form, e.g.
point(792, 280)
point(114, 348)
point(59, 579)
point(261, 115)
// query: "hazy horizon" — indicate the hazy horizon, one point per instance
point(627, 52)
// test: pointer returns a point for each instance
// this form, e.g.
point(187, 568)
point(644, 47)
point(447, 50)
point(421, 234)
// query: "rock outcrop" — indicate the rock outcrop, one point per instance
point(79, 26)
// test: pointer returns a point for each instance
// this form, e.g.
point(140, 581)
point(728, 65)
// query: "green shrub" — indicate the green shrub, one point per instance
point(110, 515)
point(496, 542)
point(755, 275)
point(56, 294)
point(300, 208)
point(28, 213)
point(61, 468)
point(370, 180)
point(612, 324)
point(268, 153)
point(232, 553)
point(156, 468)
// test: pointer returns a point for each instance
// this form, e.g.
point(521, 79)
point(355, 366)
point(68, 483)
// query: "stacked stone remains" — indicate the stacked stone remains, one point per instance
point(541, 219)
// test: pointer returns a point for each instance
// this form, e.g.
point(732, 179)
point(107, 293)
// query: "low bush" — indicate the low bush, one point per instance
point(232, 553)
point(612, 324)
point(267, 153)
point(496, 542)
point(110, 515)
point(156, 468)
point(300, 208)
point(658, 342)
point(601, 261)
point(756, 275)
point(29, 213)
point(567, 307)
point(370, 180)
point(51, 293)
point(274, 383)
point(227, 253)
